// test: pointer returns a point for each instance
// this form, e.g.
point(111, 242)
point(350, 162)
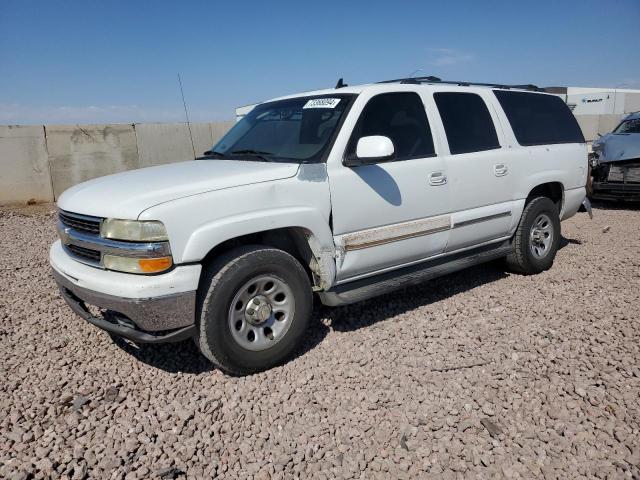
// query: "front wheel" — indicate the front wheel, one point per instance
point(537, 237)
point(255, 304)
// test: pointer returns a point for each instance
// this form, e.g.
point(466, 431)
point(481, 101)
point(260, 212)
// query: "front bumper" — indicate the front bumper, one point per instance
point(124, 315)
point(145, 309)
point(616, 191)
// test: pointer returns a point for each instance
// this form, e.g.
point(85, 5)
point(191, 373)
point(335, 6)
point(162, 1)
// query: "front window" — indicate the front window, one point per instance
point(629, 126)
point(293, 130)
point(400, 117)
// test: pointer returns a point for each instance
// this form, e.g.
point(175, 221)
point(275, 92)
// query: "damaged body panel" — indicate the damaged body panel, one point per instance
point(615, 163)
point(296, 204)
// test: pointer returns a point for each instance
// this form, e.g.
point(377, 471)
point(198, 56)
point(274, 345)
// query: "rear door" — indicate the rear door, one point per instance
point(543, 126)
point(479, 167)
point(392, 213)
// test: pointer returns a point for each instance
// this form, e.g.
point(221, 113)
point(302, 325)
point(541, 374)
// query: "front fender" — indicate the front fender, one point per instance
point(199, 223)
point(317, 233)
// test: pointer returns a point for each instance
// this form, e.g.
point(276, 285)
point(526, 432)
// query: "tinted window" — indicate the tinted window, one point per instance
point(467, 122)
point(401, 117)
point(539, 119)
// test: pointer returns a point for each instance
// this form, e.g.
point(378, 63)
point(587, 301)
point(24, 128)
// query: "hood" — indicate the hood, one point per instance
point(614, 147)
point(127, 194)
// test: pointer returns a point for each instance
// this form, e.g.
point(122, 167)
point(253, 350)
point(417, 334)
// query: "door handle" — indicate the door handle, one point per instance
point(437, 178)
point(500, 170)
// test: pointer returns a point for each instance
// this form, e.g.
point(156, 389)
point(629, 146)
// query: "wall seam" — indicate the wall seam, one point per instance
point(46, 147)
point(135, 132)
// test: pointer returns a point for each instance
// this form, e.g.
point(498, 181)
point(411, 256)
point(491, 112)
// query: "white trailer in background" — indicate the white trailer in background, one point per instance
point(599, 101)
point(598, 109)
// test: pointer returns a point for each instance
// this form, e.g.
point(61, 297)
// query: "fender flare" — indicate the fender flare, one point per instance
point(314, 226)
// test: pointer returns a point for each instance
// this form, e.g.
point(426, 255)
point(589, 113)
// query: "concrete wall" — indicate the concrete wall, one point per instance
point(81, 152)
point(38, 163)
point(24, 165)
point(592, 125)
point(160, 143)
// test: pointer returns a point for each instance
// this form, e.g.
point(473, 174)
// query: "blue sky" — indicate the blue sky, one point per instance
point(116, 61)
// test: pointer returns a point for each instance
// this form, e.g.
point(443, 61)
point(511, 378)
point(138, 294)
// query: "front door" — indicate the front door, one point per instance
point(391, 213)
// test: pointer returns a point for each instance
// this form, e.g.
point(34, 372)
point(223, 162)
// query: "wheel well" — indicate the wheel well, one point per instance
point(291, 240)
point(552, 190)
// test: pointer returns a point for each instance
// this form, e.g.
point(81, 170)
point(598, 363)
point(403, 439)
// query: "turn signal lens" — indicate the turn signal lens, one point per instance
point(153, 265)
point(136, 265)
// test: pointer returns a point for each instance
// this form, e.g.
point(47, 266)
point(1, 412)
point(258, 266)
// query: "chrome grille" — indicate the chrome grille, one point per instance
point(92, 256)
point(82, 223)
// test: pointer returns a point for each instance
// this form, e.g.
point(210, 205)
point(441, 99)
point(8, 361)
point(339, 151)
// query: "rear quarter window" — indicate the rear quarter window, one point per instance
point(538, 119)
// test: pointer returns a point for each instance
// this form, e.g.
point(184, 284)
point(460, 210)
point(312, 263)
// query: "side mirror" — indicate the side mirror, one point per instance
point(599, 134)
point(372, 149)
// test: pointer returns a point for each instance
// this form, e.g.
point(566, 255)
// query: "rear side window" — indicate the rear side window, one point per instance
point(467, 122)
point(538, 119)
point(401, 117)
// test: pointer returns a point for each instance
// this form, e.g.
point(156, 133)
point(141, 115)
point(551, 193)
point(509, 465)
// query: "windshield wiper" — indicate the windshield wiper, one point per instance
point(210, 154)
point(254, 153)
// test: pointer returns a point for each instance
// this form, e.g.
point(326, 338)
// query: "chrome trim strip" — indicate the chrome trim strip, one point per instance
point(69, 236)
point(373, 237)
point(482, 219)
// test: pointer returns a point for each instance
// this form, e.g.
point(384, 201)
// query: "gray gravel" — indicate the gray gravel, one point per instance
point(479, 374)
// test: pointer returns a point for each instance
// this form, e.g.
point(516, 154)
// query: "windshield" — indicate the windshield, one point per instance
point(629, 126)
point(296, 130)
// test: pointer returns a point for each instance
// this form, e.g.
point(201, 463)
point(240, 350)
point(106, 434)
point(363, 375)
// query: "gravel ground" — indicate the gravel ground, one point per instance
point(479, 374)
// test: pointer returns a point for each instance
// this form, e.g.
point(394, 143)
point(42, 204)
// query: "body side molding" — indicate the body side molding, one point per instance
point(481, 219)
point(392, 233)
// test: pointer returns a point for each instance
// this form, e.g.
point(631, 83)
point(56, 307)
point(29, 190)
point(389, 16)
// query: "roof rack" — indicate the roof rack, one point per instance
point(431, 79)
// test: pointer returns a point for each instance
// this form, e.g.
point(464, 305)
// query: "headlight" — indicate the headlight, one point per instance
point(133, 230)
point(136, 265)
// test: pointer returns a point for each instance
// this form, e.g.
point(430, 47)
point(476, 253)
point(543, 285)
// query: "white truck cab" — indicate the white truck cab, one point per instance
point(345, 193)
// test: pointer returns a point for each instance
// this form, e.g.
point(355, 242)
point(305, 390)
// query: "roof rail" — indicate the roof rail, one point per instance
point(431, 79)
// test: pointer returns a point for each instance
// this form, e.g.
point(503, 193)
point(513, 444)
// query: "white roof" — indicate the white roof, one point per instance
point(392, 86)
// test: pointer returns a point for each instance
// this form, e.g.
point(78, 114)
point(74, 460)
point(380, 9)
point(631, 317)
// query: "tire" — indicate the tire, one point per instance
point(254, 305)
point(537, 238)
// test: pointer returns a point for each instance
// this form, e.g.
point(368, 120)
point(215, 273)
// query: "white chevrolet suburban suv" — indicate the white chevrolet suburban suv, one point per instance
point(344, 193)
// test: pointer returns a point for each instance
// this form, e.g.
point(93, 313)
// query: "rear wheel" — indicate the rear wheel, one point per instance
point(254, 307)
point(537, 237)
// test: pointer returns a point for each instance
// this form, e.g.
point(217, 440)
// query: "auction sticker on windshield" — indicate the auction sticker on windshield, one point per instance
point(322, 103)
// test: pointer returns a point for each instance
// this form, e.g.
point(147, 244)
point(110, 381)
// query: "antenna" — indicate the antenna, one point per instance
point(186, 114)
point(341, 84)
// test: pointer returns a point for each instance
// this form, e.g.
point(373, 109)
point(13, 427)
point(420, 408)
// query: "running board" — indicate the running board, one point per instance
point(366, 288)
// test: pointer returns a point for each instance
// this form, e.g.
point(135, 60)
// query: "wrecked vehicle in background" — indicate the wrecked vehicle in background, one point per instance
point(615, 162)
